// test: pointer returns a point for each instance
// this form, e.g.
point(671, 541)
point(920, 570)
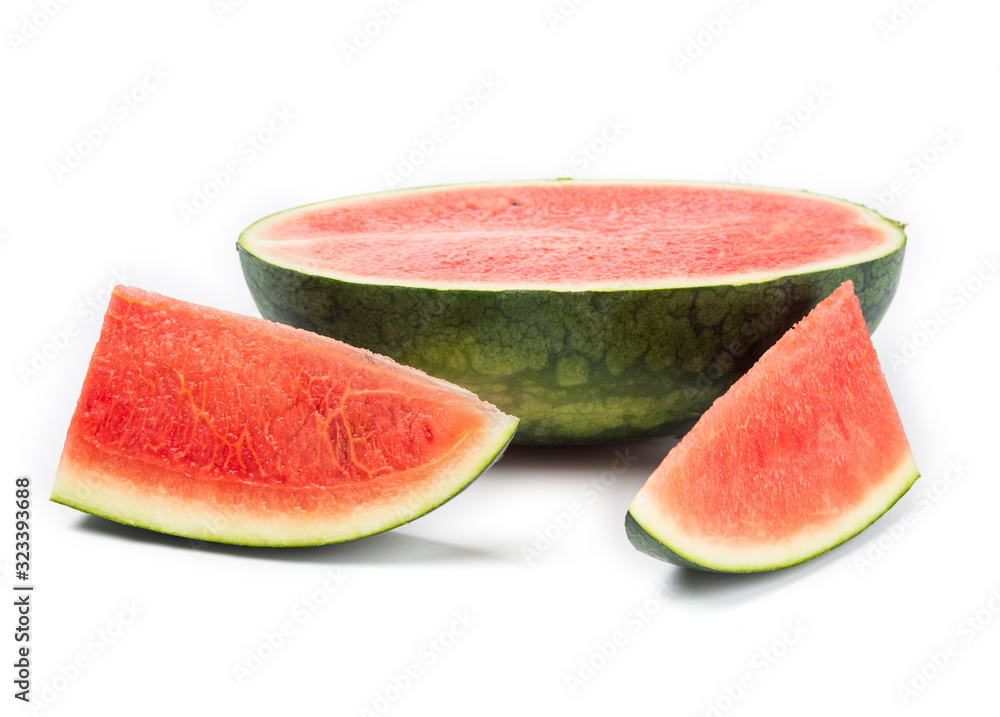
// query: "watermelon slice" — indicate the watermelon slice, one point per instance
point(801, 454)
point(594, 311)
point(211, 425)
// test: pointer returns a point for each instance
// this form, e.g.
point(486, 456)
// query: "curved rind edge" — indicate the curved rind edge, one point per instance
point(504, 436)
point(245, 239)
point(644, 539)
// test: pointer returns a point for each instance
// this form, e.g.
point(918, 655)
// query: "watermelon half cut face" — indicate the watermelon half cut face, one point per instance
point(801, 454)
point(595, 311)
point(211, 425)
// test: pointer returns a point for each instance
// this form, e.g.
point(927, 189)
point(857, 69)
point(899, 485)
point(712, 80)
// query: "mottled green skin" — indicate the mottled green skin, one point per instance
point(646, 543)
point(575, 366)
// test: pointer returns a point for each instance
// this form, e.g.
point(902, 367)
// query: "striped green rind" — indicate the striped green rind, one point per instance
point(588, 366)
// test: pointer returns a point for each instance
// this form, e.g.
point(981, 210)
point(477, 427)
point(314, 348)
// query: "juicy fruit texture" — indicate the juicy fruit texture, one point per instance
point(211, 425)
point(569, 235)
point(594, 311)
point(801, 454)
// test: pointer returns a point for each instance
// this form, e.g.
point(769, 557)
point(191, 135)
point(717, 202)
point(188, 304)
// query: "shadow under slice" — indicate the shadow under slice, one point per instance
point(390, 547)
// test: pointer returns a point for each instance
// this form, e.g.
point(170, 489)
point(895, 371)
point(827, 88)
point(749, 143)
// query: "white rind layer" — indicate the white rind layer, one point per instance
point(742, 556)
point(254, 240)
point(92, 491)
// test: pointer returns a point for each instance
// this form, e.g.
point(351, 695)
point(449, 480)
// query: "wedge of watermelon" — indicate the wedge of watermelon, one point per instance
point(211, 425)
point(593, 310)
point(801, 454)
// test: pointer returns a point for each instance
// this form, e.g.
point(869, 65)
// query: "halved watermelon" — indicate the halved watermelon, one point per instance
point(801, 454)
point(594, 311)
point(211, 425)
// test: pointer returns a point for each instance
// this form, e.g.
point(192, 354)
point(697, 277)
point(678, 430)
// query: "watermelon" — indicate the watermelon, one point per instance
point(802, 453)
point(211, 425)
point(595, 311)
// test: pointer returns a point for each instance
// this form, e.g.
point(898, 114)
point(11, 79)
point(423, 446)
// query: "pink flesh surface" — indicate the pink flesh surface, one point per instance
point(810, 432)
point(232, 410)
point(569, 232)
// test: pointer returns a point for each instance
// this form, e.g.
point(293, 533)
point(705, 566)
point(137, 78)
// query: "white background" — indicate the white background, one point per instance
point(884, 86)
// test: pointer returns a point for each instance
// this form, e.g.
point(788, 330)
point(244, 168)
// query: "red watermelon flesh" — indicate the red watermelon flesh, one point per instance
point(572, 235)
point(207, 424)
point(802, 453)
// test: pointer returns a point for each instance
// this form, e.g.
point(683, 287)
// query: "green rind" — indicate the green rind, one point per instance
point(150, 524)
point(645, 540)
point(590, 366)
